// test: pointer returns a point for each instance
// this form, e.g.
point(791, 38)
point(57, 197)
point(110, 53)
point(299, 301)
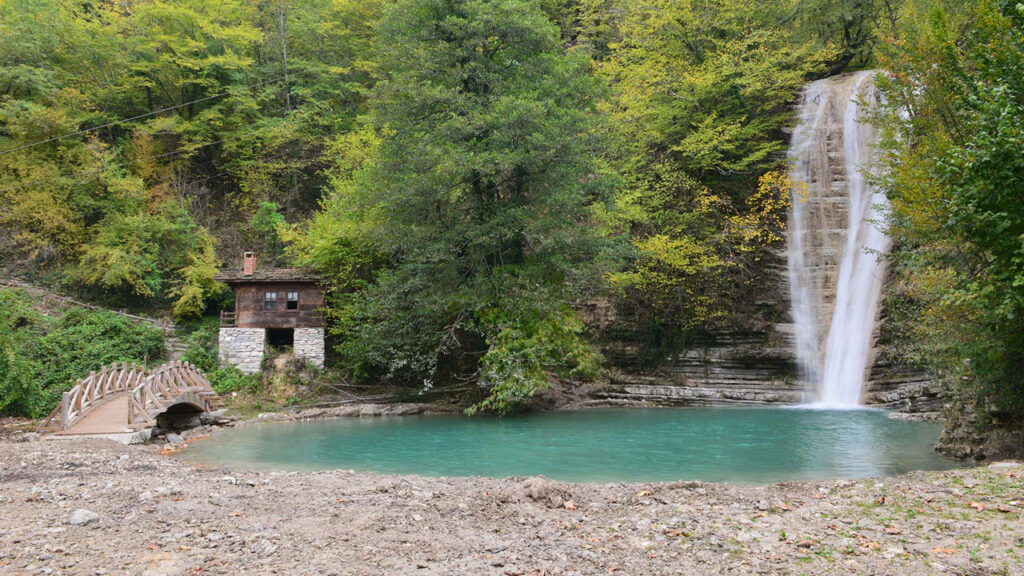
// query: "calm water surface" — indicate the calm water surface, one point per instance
point(742, 445)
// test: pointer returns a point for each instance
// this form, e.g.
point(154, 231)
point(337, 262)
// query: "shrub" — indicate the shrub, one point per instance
point(20, 329)
point(41, 358)
point(231, 379)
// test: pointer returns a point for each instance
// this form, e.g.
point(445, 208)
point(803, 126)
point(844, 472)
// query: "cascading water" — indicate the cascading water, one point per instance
point(836, 248)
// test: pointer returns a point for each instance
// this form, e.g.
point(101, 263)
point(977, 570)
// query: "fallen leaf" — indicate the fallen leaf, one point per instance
point(784, 507)
point(234, 514)
point(805, 544)
point(944, 550)
point(892, 530)
point(977, 506)
point(643, 493)
point(569, 505)
point(1004, 509)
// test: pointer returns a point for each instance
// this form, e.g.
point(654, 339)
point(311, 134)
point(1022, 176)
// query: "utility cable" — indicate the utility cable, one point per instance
point(140, 116)
point(98, 170)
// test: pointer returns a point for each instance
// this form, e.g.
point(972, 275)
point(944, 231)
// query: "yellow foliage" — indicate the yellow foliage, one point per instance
point(764, 219)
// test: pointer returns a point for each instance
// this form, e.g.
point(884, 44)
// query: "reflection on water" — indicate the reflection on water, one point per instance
point(710, 444)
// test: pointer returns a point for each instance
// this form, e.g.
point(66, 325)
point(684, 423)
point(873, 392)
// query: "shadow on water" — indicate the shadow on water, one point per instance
point(740, 445)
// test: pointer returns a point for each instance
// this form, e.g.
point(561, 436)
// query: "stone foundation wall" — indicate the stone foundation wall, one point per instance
point(243, 347)
point(309, 344)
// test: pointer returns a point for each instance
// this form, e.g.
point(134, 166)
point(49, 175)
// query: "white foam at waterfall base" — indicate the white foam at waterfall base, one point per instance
point(838, 367)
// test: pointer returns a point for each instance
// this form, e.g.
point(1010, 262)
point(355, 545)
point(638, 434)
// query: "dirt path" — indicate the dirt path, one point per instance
point(158, 515)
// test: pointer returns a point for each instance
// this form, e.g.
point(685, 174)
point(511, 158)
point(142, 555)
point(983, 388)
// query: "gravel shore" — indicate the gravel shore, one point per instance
point(91, 507)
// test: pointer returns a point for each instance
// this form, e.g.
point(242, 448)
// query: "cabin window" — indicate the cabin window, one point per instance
point(270, 301)
point(292, 302)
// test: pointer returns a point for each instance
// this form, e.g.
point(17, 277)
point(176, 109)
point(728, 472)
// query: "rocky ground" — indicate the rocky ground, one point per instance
point(91, 507)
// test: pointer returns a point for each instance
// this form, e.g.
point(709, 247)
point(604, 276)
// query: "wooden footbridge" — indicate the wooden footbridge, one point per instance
point(124, 398)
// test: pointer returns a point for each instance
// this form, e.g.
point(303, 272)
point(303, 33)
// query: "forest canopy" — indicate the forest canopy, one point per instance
point(469, 174)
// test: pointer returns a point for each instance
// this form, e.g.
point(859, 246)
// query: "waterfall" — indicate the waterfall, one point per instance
point(836, 246)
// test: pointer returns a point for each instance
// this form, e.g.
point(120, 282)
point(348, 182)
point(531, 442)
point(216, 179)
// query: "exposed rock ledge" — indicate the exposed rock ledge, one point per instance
point(367, 410)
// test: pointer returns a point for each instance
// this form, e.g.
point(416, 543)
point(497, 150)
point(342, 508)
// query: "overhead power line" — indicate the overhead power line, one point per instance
point(140, 116)
point(98, 170)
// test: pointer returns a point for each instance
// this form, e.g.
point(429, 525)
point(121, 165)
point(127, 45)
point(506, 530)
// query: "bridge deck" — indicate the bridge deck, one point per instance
point(111, 417)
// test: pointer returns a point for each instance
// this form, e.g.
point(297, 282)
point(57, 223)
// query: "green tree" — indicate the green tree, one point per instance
point(955, 179)
point(480, 190)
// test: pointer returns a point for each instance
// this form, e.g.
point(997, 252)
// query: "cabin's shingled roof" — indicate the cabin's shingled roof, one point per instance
point(236, 276)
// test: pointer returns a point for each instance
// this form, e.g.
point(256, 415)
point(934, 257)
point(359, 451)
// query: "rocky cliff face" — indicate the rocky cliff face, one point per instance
point(754, 364)
point(750, 362)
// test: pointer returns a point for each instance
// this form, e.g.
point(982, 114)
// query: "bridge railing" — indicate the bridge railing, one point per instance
point(148, 394)
point(172, 383)
point(91, 390)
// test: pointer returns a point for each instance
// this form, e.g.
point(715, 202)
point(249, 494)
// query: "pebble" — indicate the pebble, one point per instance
point(81, 517)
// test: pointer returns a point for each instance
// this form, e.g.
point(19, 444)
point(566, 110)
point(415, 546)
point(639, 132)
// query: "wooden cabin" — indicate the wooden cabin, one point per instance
point(280, 307)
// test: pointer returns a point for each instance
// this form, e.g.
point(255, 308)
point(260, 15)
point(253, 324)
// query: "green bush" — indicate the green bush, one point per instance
point(21, 327)
point(41, 358)
point(231, 379)
point(202, 345)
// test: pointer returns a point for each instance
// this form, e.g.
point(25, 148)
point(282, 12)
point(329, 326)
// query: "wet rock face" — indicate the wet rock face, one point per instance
point(753, 363)
point(982, 439)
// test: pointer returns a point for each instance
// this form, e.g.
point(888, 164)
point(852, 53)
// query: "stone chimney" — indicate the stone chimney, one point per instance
point(249, 263)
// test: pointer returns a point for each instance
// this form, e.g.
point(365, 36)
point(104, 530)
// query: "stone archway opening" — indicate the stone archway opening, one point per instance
point(180, 417)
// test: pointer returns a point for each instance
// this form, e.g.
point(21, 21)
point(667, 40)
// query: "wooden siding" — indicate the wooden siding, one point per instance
point(249, 310)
